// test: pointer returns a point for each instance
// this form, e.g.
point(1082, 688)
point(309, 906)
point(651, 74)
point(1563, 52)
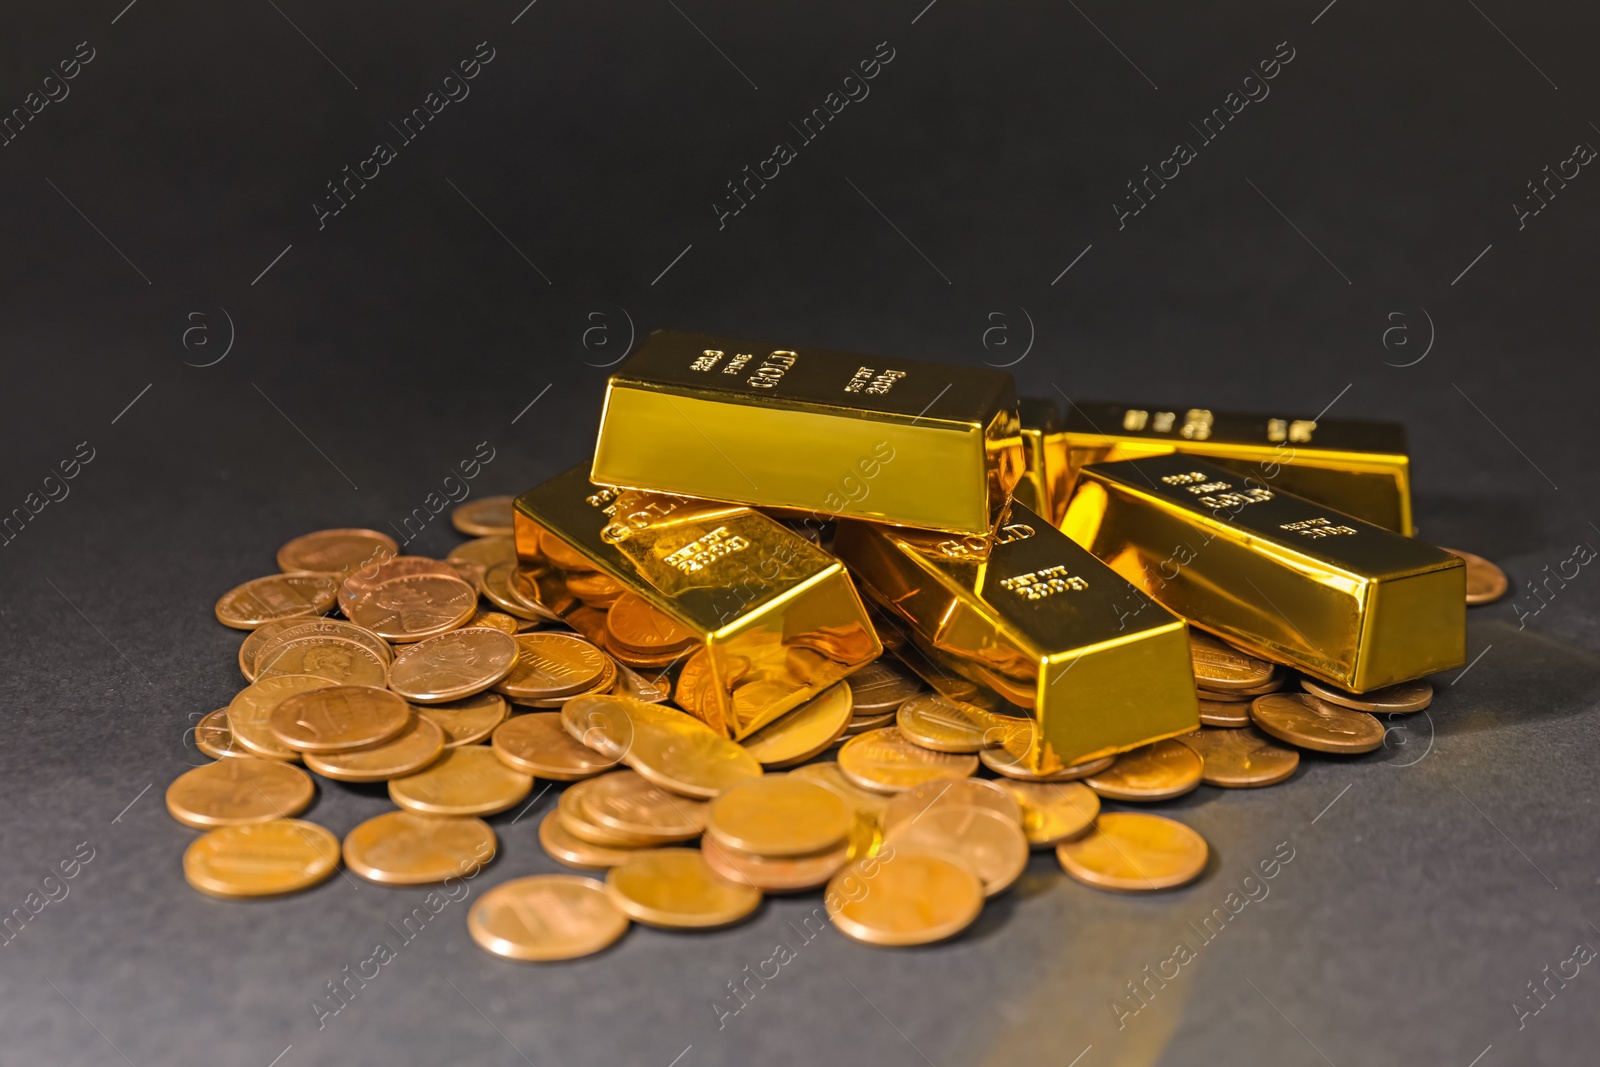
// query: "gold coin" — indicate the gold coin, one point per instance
point(399, 848)
point(1485, 582)
point(485, 552)
point(1391, 699)
point(339, 551)
point(341, 661)
point(628, 805)
point(575, 819)
point(466, 722)
point(1239, 759)
point(903, 897)
point(1272, 685)
point(552, 666)
point(1053, 812)
point(546, 917)
point(776, 815)
point(563, 845)
point(277, 596)
point(798, 735)
point(943, 725)
point(261, 859)
point(595, 589)
point(338, 718)
point(636, 626)
point(463, 781)
point(417, 745)
point(1221, 666)
point(496, 585)
point(948, 793)
point(234, 792)
point(294, 629)
point(1306, 722)
point(416, 606)
point(990, 845)
point(488, 516)
point(860, 724)
point(509, 625)
point(774, 874)
point(358, 585)
point(1232, 714)
point(1158, 771)
point(256, 639)
point(602, 722)
point(452, 665)
point(681, 754)
point(674, 888)
point(886, 762)
point(250, 712)
point(652, 690)
point(882, 686)
point(828, 775)
point(1003, 761)
point(212, 736)
point(537, 744)
point(1135, 852)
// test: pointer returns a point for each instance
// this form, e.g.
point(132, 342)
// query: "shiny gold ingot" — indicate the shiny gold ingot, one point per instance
point(1031, 626)
point(892, 440)
point(1045, 485)
point(1276, 574)
point(1359, 468)
point(775, 620)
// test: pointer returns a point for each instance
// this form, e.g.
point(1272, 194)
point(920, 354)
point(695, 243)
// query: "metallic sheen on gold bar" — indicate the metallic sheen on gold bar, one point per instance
point(1360, 468)
point(1037, 622)
point(900, 441)
point(775, 619)
point(1045, 483)
point(1285, 578)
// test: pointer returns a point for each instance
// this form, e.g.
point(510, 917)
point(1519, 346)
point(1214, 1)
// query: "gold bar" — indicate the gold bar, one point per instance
point(1034, 620)
point(1279, 575)
point(1045, 484)
point(775, 620)
point(1357, 467)
point(831, 433)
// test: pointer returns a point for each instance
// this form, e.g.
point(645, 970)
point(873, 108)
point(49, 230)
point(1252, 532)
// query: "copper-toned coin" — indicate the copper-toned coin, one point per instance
point(509, 625)
point(990, 845)
point(293, 630)
point(414, 607)
point(1133, 852)
point(234, 792)
point(485, 552)
point(1391, 699)
point(359, 584)
point(942, 724)
point(261, 859)
point(577, 821)
point(798, 735)
point(341, 661)
point(681, 754)
point(399, 848)
point(562, 554)
point(339, 551)
point(1224, 696)
point(452, 665)
point(635, 626)
point(1279, 678)
point(886, 762)
point(546, 917)
point(250, 712)
point(212, 736)
point(499, 584)
point(776, 815)
point(1221, 666)
point(338, 718)
point(595, 589)
point(554, 666)
point(864, 801)
point(1009, 761)
point(774, 874)
point(674, 888)
point(625, 803)
point(1306, 722)
point(1240, 759)
point(1232, 714)
point(256, 639)
point(487, 516)
point(563, 845)
point(1485, 582)
point(1158, 771)
point(464, 781)
point(604, 722)
point(466, 722)
point(860, 724)
point(1053, 812)
point(653, 688)
point(950, 793)
point(903, 897)
point(277, 596)
point(413, 748)
point(882, 686)
point(537, 744)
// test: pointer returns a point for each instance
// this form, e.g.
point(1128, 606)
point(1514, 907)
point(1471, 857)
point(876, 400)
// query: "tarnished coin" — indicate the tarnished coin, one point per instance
point(339, 551)
point(1053, 812)
point(1134, 852)
point(902, 897)
point(797, 735)
point(775, 874)
point(674, 888)
point(537, 744)
point(359, 584)
point(634, 625)
point(463, 781)
point(1158, 771)
point(466, 722)
point(626, 803)
point(452, 665)
point(777, 815)
point(234, 792)
point(546, 917)
point(250, 712)
point(399, 848)
point(509, 625)
point(213, 737)
point(563, 845)
point(1306, 722)
point(882, 686)
point(417, 606)
point(1391, 699)
point(341, 661)
point(1240, 759)
point(1221, 666)
point(261, 859)
point(885, 762)
point(681, 754)
point(990, 845)
point(256, 639)
point(409, 751)
point(944, 725)
point(1486, 583)
point(338, 718)
point(487, 516)
point(553, 666)
point(949, 793)
point(277, 596)
point(294, 629)
point(485, 552)
point(1232, 714)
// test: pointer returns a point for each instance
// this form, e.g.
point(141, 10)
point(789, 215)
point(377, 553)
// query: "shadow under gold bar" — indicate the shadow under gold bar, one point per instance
point(832, 433)
point(1284, 577)
point(1357, 467)
point(775, 619)
point(1036, 622)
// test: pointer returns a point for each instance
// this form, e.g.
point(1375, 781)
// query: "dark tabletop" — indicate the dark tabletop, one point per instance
point(180, 301)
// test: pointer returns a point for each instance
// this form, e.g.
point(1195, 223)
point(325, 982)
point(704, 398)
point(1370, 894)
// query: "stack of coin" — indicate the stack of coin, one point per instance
point(1227, 679)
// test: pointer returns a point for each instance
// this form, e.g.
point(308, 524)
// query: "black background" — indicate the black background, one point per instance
point(573, 191)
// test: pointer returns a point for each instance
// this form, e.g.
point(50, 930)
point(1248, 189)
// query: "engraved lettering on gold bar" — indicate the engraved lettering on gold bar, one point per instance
point(703, 551)
point(1036, 585)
